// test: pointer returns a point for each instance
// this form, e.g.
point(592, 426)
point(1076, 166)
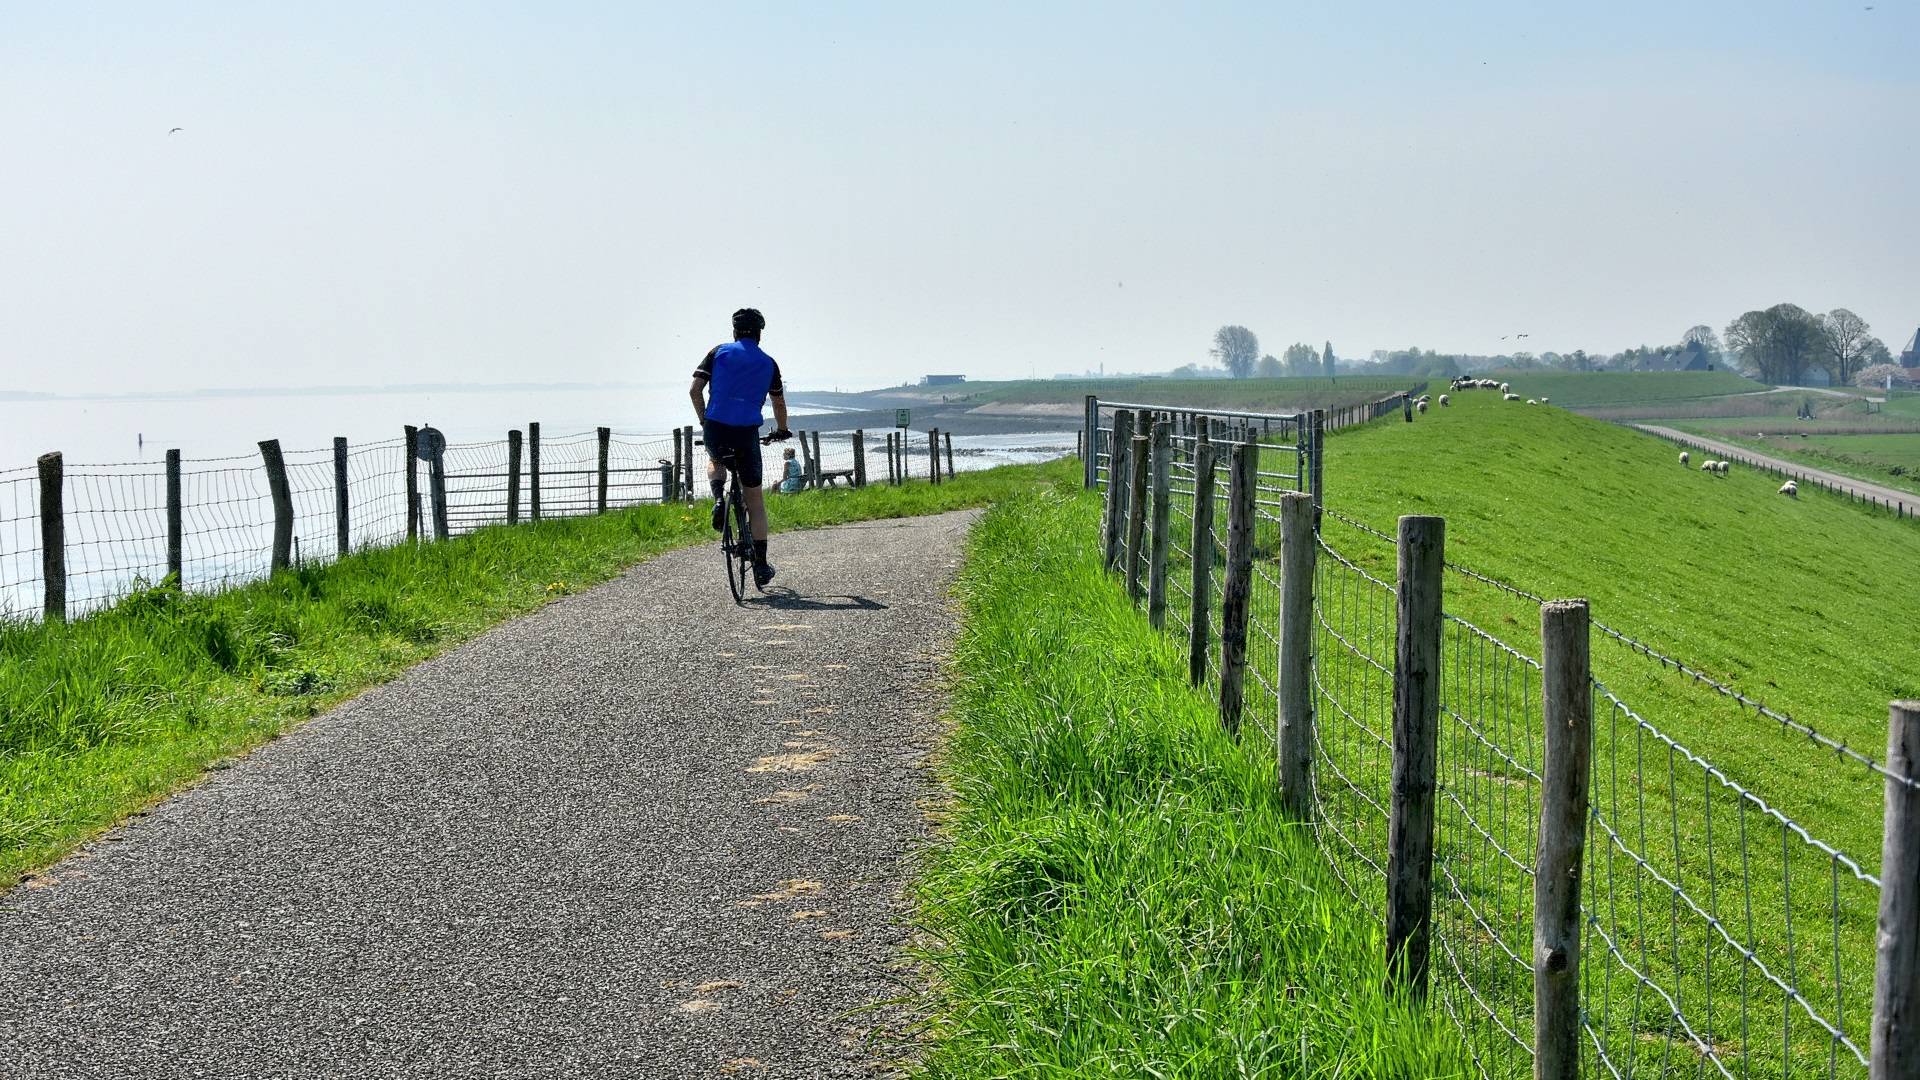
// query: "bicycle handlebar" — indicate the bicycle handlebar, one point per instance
point(778, 436)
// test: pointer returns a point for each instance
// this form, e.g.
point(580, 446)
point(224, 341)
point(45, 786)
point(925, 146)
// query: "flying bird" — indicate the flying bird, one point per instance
point(172, 130)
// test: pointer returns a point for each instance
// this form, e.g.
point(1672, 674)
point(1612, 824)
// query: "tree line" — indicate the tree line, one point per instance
point(1780, 344)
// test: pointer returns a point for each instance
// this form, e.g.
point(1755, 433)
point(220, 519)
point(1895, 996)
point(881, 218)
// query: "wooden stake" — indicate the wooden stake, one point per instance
point(340, 505)
point(605, 437)
point(1200, 605)
point(53, 537)
point(1416, 723)
point(859, 458)
point(1117, 446)
point(1242, 481)
point(1566, 681)
point(413, 484)
point(1896, 974)
point(1162, 447)
point(1298, 551)
point(533, 470)
point(1137, 514)
point(176, 515)
point(513, 476)
point(282, 503)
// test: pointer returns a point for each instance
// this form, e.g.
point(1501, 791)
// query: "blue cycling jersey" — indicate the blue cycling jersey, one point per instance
point(739, 377)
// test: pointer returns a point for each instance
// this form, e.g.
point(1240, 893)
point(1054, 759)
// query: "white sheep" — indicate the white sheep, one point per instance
point(1510, 397)
point(1546, 401)
point(1709, 466)
point(1790, 489)
point(1505, 389)
point(1420, 406)
point(1443, 401)
point(1530, 401)
point(1720, 467)
point(1685, 457)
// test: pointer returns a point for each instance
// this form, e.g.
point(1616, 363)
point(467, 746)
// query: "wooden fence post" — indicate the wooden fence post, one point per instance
point(53, 537)
point(933, 455)
point(605, 436)
point(413, 484)
point(1896, 973)
point(1298, 552)
point(672, 491)
point(340, 503)
point(282, 503)
point(1317, 484)
point(889, 458)
point(1242, 481)
point(807, 477)
point(176, 521)
point(533, 470)
point(1139, 460)
point(1416, 725)
point(859, 457)
point(1157, 549)
point(1567, 708)
point(1200, 599)
point(946, 438)
point(513, 477)
point(437, 491)
point(819, 462)
point(1117, 445)
point(1090, 428)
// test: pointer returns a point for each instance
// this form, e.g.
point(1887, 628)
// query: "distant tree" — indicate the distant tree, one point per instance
point(1269, 367)
point(1236, 349)
point(1845, 337)
point(1776, 344)
point(1876, 376)
point(1185, 371)
point(1577, 360)
point(1703, 336)
point(1874, 351)
point(1302, 361)
point(1327, 361)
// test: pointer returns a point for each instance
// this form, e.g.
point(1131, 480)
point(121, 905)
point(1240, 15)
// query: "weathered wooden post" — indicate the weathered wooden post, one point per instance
point(890, 461)
point(412, 454)
point(672, 491)
point(176, 531)
point(859, 457)
point(1896, 973)
point(808, 478)
point(1138, 459)
point(1416, 725)
point(666, 482)
point(1567, 708)
point(1298, 552)
point(1157, 550)
point(946, 438)
point(513, 477)
point(605, 436)
point(1116, 483)
point(437, 487)
point(533, 470)
point(1406, 400)
point(1089, 432)
point(53, 537)
point(933, 455)
point(340, 505)
point(1200, 601)
point(282, 503)
point(1242, 481)
point(1318, 486)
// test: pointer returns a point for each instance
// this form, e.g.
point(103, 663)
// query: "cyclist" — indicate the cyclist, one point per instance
point(729, 388)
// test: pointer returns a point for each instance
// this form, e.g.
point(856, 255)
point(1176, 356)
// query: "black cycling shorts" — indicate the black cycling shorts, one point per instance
point(735, 446)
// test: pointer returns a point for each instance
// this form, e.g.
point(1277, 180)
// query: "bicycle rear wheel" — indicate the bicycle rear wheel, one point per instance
point(733, 547)
point(744, 549)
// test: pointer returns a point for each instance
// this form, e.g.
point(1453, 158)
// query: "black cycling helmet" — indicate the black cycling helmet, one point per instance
point(748, 322)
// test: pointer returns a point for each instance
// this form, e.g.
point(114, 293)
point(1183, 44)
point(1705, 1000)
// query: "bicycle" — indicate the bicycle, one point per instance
point(736, 532)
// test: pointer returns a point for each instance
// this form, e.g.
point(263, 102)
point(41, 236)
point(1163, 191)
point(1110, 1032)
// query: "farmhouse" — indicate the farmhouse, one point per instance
point(1910, 356)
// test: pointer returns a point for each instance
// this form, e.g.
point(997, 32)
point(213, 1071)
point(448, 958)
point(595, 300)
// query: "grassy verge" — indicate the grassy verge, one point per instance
point(1257, 395)
point(1577, 390)
point(1889, 459)
point(103, 716)
point(1119, 894)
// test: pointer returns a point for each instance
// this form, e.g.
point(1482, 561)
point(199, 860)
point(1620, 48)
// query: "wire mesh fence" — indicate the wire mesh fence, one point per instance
point(117, 520)
point(1721, 933)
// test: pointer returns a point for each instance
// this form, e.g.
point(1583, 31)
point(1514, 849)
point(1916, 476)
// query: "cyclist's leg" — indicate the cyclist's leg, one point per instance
point(757, 511)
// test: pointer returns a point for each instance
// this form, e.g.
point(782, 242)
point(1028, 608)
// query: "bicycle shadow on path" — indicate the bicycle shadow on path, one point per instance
point(785, 599)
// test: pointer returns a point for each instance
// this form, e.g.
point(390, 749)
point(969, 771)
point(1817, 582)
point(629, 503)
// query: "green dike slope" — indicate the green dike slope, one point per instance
point(103, 716)
point(1251, 395)
point(1596, 388)
point(1804, 604)
point(1118, 893)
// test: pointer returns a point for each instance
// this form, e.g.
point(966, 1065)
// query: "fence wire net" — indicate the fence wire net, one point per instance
point(1721, 936)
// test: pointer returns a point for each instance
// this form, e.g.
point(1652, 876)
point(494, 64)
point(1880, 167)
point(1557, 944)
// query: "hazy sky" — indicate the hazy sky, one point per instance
point(500, 192)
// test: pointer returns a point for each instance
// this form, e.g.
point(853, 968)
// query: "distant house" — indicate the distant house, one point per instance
point(1692, 356)
point(1910, 356)
point(941, 380)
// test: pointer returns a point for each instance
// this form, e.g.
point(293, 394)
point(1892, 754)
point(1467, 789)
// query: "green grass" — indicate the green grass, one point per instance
point(1889, 459)
point(1252, 395)
point(1118, 893)
point(106, 715)
point(1579, 390)
point(1799, 603)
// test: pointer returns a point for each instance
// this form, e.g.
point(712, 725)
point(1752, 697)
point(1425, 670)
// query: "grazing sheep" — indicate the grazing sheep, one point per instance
point(1510, 397)
point(1720, 467)
point(1709, 466)
point(1443, 401)
point(1546, 401)
point(1420, 406)
point(1790, 489)
point(1505, 389)
point(1684, 457)
point(1530, 401)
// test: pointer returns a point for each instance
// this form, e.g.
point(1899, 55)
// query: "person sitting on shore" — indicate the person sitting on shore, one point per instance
point(792, 477)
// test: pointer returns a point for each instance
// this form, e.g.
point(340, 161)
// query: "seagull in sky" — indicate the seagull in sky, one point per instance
point(172, 130)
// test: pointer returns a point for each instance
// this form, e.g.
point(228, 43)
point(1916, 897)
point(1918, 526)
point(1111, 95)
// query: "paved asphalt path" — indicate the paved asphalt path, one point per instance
point(640, 833)
point(1886, 495)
